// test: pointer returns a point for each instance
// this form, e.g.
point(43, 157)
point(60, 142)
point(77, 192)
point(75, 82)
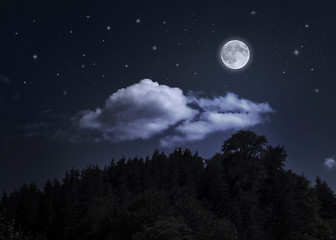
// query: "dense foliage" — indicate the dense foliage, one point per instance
point(241, 193)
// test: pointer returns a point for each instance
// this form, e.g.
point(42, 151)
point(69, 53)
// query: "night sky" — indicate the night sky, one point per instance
point(82, 82)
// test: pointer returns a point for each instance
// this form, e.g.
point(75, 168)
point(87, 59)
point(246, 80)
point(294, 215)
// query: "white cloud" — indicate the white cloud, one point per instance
point(330, 163)
point(147, 108)
point(139, 111)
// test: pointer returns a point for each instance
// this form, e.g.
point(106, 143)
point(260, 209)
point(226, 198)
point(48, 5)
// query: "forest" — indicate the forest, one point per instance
point(241, 193)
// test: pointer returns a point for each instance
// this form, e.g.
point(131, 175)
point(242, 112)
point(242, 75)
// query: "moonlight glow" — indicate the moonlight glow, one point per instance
point(235, 54)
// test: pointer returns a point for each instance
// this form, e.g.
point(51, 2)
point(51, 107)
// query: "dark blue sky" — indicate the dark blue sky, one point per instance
point(59, 58)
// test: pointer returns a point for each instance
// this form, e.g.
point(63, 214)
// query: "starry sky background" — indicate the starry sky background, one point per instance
point(58, 58)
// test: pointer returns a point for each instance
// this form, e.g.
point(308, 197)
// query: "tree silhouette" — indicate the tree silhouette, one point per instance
point(242, 193)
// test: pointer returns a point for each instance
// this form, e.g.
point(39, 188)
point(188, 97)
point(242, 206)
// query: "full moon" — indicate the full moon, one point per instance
point(235, 54)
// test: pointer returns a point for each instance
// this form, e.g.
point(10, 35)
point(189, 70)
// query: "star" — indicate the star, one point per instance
point(177, 64)
point(108, 28)
point(296, 52)
point(83, 66)
point(126, 66)
point(253, 13)
point(35, 57)
point(65, 93)
point(24, 82)
point(317, 90)
point(154, 48)
point(306, 26)
point(138, 20)
point(87, 17)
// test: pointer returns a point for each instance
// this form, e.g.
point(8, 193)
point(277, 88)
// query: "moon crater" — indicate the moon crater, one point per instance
point(235, 54)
